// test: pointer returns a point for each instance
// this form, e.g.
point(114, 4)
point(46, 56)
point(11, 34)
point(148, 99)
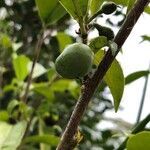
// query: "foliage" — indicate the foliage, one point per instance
point(38, 123)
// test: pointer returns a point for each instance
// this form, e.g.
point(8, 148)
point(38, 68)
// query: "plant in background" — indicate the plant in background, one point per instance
point(36, 102)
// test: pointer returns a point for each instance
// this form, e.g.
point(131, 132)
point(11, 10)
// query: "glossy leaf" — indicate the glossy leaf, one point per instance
point(84, 6)
point(11, 135)
point(76, 8)
point(50, 11)
point(20, 64)
point(136, 75)
point(70, 8)
point(140, 141)
point(98, 43)
point(95, 6)
point(63, 40)
point(46, 139)
point(114, 78)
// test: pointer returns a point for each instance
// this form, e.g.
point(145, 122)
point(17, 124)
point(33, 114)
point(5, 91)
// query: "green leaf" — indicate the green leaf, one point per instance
point(140, 141)
point(114, 78)
point(11, 135)
point(63, 40)
point(76, 8)
point(51, 74)
point(46, 139)
point(44, 89)
point(12, 105)
point(145, 38)
point(84, 6)
point(70, 8)
point(5, 41)
point(4, 116)
point(58, 86)
point(147, 9)
point(50, 11)
point(95, 6)
point(136, 75)
point(38, 69)
point(98, 43)
point(20, 64)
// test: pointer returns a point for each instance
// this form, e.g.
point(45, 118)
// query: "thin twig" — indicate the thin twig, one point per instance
point(35, 59)
point(29, 81)
point(68, 140)
point(143, 98)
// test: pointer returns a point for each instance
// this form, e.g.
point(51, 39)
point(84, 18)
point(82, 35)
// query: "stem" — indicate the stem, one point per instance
point(68, 140)
point(83, 31)
point(94, 16)
point(139, 127)
point(29, 81)
point(142, 99)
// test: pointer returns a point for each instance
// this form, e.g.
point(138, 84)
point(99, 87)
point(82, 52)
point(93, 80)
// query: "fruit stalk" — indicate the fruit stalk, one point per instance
point(68, 140)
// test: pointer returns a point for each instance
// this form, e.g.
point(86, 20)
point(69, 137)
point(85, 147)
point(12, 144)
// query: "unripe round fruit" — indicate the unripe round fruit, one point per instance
point(109, 8)
point(75, 61)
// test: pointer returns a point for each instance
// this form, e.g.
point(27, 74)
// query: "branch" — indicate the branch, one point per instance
point(29, 81)
point(69, 140)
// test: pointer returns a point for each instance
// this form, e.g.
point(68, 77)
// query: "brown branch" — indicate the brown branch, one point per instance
point(29, 81)
point(68, 140)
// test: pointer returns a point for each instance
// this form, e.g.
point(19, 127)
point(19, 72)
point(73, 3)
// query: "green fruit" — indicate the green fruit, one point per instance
point(108, 8)
point(75, 61)
point(104, 31)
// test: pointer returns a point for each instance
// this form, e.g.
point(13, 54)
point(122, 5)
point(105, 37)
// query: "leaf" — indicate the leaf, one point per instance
point(38, 69)
point(145, 38)
point(98, 43)
point(44, 89)
point(63, 40)
point(50, 11)
point(147, 9)
point(11, 135)
point(46, 139)
point(5, 41)
point(20, 66)
point(140, 141)
point(12, 105)
point(84, 6)
point(70, 8)
point(114, 78)
point(136, 75)
point(95, 6)
point(76, 8)
point(4, 116)
point(51, 74)
point(58, 86)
